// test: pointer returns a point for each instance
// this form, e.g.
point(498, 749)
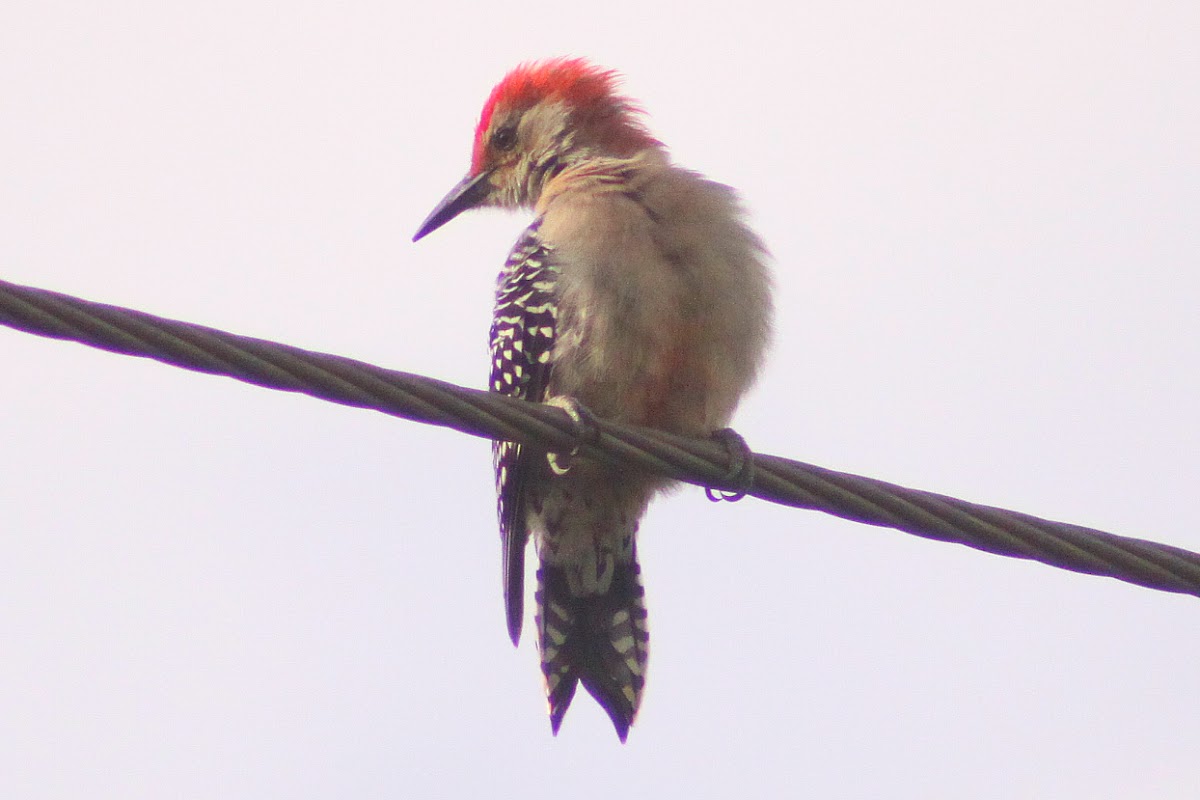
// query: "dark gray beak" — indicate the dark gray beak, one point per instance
point(469, 193)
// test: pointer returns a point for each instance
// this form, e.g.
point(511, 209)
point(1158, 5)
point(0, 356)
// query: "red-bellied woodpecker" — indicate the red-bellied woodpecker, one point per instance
point(638, 293)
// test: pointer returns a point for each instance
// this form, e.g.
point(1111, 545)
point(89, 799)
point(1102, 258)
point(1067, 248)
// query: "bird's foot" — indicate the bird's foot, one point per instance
point(587, 431)
point(741, 466)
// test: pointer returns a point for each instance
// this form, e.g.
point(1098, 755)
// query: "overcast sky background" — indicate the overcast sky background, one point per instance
point(984, 218)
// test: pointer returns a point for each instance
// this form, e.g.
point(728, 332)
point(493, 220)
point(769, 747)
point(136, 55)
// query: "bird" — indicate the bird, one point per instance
point(637, 294)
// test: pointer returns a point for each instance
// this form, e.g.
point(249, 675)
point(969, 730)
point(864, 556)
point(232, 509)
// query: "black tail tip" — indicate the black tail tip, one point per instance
point(563, 692)
point(556, 718)
point(559, 699)
point(622, 726)
point(620, 722)
point(619, 710)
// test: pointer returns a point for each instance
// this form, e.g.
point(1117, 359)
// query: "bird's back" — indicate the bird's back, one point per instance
point(664, 297)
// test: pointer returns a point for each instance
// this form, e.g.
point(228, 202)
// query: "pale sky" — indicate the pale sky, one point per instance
point(984, 224)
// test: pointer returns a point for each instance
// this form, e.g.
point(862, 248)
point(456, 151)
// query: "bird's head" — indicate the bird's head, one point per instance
point(542, 118)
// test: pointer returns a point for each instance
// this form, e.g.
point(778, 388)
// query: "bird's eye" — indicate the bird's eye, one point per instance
point(504, 138)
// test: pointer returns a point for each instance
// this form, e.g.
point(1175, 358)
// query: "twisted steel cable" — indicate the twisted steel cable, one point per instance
point(700, 461)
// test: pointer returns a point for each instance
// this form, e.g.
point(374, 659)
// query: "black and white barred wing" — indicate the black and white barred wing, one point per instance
point(522, 338)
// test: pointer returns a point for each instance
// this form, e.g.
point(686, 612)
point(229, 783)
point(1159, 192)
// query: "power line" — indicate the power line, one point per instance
point(699, 461)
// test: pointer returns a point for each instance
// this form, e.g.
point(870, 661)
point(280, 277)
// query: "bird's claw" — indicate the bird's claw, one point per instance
point(741, 466)
point(587, 431)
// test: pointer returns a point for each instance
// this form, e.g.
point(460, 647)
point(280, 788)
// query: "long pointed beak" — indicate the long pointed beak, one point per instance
point(470, 192)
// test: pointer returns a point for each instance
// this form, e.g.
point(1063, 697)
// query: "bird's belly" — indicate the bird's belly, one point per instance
point(665, 379)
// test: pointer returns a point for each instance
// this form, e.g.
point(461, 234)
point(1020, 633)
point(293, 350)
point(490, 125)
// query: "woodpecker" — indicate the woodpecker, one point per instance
point(637, 293)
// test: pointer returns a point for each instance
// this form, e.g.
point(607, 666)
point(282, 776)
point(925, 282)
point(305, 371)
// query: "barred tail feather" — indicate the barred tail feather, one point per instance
point(601, 641)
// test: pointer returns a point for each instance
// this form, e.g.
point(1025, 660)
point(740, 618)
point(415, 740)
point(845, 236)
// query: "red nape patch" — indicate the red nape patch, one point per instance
point(573, 80)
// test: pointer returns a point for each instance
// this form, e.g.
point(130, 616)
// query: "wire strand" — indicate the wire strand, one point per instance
point(700, 461)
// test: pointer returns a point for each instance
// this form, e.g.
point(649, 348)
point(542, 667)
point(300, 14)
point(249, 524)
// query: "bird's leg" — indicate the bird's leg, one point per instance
point(587, 431)
point(741, 466)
